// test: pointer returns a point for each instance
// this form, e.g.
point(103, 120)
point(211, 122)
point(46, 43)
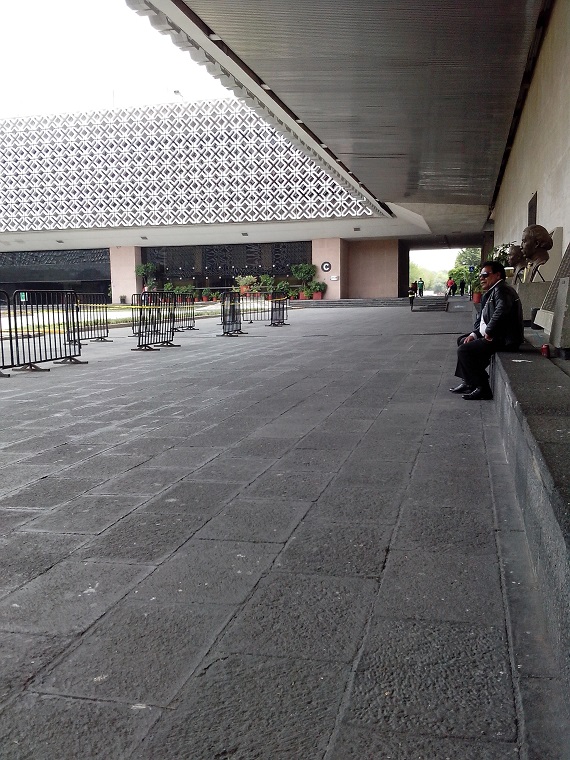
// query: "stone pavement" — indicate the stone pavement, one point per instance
point(292, 544)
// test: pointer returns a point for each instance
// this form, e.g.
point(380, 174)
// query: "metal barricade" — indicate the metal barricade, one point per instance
point(231, 315)
point(279, 309)
point(155, 320)
point(255, 307)
point(6, 336)
point(45, 328)
point(92, 317)
point(184, 315)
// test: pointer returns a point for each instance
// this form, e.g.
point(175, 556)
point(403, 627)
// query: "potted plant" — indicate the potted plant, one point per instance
point(319, 289)
point(147, 272)
point(476, 292)
point(245, 282)
point(303, 272)
point(216, 295)
point(306, 292)
point(293, 293)
point(206, 293)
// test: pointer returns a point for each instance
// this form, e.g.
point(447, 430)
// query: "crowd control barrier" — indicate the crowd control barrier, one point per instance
point(279, 310)
point(255, 307)
point(231, 314)
point(6, 341)
point(153, 319)
point(92, 317)
point(44, 328)
point(184, 316)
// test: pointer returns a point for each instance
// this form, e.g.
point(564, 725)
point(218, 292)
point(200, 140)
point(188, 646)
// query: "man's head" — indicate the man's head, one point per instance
point(491, 273)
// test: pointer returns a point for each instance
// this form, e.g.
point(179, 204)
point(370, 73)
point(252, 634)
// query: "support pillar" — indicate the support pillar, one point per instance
point(124, 282)
point(333, 251)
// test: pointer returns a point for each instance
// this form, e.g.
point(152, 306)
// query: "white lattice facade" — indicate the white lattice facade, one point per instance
point(209, 162)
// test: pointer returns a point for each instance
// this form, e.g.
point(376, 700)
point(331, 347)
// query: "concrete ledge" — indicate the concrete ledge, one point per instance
point(532, 398)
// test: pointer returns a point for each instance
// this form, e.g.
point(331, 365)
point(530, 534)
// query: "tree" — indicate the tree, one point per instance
point(468, 257)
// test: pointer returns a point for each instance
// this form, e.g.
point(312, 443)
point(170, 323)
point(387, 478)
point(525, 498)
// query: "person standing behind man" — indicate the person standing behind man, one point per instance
point(420, 288)
point(499, 327)
point(461, 287)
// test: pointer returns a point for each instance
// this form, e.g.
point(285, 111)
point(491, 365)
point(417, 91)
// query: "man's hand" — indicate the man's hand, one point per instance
point(470, 338)
point(488, 338)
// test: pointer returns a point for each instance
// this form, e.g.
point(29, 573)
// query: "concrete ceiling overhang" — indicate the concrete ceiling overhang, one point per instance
point(411, 100)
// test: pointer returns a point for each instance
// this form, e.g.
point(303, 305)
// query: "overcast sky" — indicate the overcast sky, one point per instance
point(80, 55)
point(435, 261)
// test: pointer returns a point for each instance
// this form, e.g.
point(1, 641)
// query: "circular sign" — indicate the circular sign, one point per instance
point(326, 266)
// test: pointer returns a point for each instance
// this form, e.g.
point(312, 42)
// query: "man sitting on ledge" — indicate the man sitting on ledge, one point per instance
point(499, 327)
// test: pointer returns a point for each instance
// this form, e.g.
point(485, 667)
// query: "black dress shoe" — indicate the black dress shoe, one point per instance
point(479, 394)
point(462, 388)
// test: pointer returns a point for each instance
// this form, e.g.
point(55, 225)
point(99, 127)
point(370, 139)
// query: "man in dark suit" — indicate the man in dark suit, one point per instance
point(499, 327)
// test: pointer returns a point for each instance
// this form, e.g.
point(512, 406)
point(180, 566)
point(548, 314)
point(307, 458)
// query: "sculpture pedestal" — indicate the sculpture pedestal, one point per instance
point(532, 294)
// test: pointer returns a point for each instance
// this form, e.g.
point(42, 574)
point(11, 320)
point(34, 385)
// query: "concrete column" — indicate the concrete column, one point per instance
point(124, 282)
point(335, 252)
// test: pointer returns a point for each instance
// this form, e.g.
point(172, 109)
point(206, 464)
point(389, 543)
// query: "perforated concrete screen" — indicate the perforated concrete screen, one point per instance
point(208, 162)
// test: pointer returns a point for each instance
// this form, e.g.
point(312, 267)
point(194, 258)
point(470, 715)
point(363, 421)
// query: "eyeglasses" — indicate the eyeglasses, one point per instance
point(485, 274)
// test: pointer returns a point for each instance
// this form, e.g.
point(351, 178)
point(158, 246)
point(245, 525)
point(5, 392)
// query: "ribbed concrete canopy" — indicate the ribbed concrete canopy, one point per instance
point(416, 97)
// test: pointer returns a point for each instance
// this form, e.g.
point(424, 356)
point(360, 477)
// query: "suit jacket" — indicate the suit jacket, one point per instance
point(501, 309)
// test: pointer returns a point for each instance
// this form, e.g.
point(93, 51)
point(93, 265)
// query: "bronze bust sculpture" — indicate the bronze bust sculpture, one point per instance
point(532, 253)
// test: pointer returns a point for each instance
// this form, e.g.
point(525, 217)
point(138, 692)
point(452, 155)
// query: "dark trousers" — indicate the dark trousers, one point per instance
point(473, 359)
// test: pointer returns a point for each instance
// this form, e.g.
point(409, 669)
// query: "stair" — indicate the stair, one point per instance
point(427, 303)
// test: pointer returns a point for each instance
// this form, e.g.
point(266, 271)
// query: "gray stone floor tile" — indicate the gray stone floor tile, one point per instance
point(101, 467)
point(27, 555)
point(217, 572)
point(244, 519)
point(355, 743)
point(337, 549)
point(451, 585)
point(312, 459)
point(120, 660)
point(47, 493)
point(145, 446)
point(67, 454)
point(33, 444)
point(85, 514)
point(47, 727)
point(203, 498)
point(347, 499)
point(68, 597)
point(142, 538)
point(328, 442)
point(11, 519)
point(249, 707)
point(267, 448)
point(303, 485)
point(191, 457)
point(304, 616)
point(141, 481)
point(439, 679)
point(21, 474)
point(232, 469)
point(450, 525)
point(22, 655)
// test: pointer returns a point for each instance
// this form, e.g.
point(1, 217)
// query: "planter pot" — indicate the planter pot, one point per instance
point(317, 296)
point(244, 289)
point(302, 296)
point(205, 298)
point(476, 297)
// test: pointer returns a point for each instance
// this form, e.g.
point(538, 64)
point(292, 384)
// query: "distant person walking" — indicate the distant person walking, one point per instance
point(461, 287)
point(450, 285)
point(421, 288)
point(411, 296)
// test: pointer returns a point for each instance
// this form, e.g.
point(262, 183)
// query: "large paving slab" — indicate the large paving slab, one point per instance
point(292, 544)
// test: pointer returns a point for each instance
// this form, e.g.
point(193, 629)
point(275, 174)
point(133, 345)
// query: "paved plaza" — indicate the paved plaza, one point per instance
point(295, 544)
